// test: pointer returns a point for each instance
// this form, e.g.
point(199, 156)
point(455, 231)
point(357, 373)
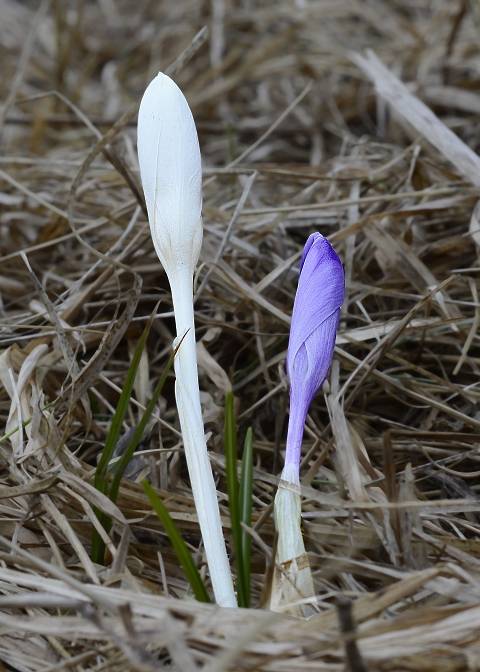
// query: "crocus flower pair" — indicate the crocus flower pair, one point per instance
point(170, 169)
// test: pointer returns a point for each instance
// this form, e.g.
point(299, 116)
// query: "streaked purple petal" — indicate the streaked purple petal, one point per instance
point(320, 293)
point(310, 366)
point(307, 372)
point(310, 240)
point(316, 312)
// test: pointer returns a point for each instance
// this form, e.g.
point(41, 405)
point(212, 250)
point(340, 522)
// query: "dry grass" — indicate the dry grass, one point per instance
point(295, 139)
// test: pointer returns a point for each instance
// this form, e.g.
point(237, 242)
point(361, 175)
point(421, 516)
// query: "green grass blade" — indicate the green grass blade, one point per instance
point(120, 412)
point(122, 463)
point(245, 504)
point(179, 546)
point(230, 441)
point(101, 472)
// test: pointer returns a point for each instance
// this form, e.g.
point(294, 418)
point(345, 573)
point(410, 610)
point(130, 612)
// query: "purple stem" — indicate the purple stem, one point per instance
point(296, 425)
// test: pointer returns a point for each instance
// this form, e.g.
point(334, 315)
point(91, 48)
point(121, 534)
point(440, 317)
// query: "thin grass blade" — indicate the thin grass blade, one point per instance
point(120, 412)
point(122, 463)
point(101, 472)
point(245, 504)
point(179, 546)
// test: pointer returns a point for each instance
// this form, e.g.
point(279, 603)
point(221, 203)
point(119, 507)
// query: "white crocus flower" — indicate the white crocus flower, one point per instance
point(171, 173)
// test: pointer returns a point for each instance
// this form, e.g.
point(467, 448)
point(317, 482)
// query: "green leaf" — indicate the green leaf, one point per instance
point(179, 546)
point(245, 504)
point(137, 436)
point(102, 475)
point(101, 472)
point(230, 441)
point(120, 412)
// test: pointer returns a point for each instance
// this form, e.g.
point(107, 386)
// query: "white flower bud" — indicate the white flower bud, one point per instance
point(171, 173)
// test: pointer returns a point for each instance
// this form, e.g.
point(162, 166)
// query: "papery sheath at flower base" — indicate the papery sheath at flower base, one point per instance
point(316, 311)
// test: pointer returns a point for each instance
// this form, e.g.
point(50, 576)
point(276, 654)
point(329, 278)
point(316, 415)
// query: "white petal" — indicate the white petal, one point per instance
point(171, 173)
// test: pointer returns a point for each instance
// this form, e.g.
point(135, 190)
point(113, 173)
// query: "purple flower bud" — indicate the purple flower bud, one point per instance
point(316, 311)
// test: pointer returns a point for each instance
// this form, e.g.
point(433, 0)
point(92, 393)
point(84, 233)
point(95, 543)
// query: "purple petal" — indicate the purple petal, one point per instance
point(320, 293)
point(312, 361)
point(307, 372)
point(316, 312)
point(312, 238)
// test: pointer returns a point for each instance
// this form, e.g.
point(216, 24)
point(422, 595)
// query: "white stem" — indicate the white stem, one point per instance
point(287, 516)
point(199, 468)
point(292, 584)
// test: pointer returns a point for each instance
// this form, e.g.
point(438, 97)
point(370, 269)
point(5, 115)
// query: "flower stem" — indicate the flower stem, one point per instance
point(296, 425)
point(201, 477)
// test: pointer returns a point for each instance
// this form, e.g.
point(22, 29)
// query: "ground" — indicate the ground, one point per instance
point(304, 126)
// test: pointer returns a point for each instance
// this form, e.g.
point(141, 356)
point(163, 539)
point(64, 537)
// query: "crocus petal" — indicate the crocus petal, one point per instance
point(310, 240)
point(316, 312)
point(318, 300)
point(307, 372)
point(311, 363)
point(171, 173)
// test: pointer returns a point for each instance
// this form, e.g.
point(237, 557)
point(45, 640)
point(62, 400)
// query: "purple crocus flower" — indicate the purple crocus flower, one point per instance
point(316, 311)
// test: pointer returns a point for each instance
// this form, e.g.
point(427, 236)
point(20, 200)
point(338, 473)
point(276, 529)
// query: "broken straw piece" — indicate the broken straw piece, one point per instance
point(420, 116)
point(423, 120)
